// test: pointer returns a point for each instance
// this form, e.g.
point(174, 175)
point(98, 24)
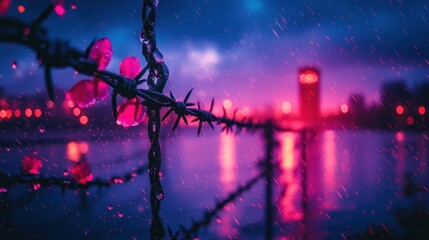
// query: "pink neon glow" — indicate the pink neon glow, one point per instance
point(422, 110)
point(81, 172)
point(308, 77)
point(31, 165)
point(400, 110)
point(4, 6)
point(60, 10)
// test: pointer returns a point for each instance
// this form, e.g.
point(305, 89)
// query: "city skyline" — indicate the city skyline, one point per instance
point(245, 50)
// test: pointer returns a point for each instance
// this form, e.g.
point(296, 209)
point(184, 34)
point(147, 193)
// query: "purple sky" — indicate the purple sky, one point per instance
point(246, 50)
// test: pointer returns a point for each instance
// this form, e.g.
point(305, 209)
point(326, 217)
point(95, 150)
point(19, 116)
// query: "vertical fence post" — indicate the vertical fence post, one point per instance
point(268, 168)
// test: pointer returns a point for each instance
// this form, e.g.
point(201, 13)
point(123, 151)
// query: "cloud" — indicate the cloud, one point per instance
point(199, 63)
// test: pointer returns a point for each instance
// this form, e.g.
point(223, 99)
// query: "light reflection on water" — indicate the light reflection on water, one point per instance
point(290, 207)
point(227, 177)
point(355, 179)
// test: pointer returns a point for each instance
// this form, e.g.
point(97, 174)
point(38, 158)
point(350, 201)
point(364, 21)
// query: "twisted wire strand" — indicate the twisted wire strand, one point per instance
point(208, 215)
point(9, 180)
point(156, 80)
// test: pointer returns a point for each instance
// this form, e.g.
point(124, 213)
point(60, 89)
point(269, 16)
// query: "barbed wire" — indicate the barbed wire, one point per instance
point(59, 54)
point(192, 231)
point(8, 180)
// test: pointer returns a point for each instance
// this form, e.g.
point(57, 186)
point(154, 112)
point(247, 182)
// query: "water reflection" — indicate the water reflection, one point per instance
point(330, 165)
point(76, 149)
point(289, 203)
point(227, 158)
point(399, 153)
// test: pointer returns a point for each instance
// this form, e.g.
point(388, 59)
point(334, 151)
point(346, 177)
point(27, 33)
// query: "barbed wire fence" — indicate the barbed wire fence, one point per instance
point(59, 54)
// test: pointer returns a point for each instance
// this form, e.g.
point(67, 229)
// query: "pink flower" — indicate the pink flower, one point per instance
point(31, 165)
point(131, 112)
point(86, 92)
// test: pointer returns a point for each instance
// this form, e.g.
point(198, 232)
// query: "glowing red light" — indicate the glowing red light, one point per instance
point(21, 9)
point(2, 113)
point(17, 113)
point(37, 113)
point(81, 172)
point(4, 5)
point(308, 77)
point(50, 104)
point(9, 113)
point(400, 136)
point(422, 110)
point(400, 110)
point(286, 107)
point(28, 112)
point(83, 120)
point(69, 103)
point(60, 10)
point(344, 108)
point(410, 120)
point(31, 165)
point(227, 103)
point(76, 111)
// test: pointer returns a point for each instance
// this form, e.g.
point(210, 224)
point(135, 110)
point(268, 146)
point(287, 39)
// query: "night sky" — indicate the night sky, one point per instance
point(245, 50)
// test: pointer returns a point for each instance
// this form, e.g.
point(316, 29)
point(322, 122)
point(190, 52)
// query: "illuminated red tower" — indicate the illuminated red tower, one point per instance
point(309, 97)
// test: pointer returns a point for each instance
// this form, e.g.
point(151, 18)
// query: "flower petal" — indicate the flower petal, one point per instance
point(82, 93)
point(31, 165)
point(131, 113)
point(101, 52)
point(101, 89)
point(130, 67)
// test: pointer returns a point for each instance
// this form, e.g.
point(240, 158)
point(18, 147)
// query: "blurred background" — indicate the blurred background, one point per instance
point(354, 72)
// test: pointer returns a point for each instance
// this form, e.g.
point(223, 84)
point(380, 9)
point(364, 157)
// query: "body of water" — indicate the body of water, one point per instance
point(357, 183)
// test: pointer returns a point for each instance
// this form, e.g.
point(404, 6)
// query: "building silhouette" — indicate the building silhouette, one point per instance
point(309, 93)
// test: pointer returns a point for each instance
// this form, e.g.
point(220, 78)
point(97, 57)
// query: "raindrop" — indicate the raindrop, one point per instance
point(60, 10)
point(158, 56)
point(3, 190)
point(8, 149)
point(66, 173)
point(41, 129)
point(14, 64)
point(110, 207)
point(36, 186)
point(160, 196)
point(120, 214)
point(73, 6)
